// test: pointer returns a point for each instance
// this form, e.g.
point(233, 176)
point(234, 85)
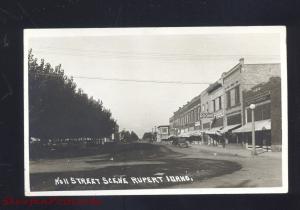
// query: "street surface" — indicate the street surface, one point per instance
point(209, 167)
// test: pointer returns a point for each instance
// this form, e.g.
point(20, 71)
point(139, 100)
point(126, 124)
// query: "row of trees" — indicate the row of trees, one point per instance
point(149, 136)
point(128, 137)
point(58, 110)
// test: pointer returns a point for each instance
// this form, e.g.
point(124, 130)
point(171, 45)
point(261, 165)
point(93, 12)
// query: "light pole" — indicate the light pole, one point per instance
point(252, 107)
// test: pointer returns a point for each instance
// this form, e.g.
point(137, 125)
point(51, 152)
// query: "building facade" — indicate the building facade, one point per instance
point(186, 119)
point(162, 133)
point(240, 78)
point(267, 115)
point(220, 108)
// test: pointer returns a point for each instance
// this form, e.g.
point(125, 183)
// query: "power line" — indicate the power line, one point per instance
point(151, 55)
point(128, 80)
point(144, 52)
point(137, 80)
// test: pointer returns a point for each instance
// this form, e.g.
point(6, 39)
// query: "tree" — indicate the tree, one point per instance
point(125, 136)
point(148, 136)
point(129, 137)
point(57, 110)
point(133, 136)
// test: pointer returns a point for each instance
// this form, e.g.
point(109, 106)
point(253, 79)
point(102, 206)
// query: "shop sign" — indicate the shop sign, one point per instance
point(206, 115)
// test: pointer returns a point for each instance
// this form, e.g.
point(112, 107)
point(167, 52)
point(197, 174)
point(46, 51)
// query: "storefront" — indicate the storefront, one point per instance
point(262, 133)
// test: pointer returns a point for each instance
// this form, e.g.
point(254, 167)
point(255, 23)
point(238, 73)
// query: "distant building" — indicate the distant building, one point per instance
point(162, 133)
point(186, 120)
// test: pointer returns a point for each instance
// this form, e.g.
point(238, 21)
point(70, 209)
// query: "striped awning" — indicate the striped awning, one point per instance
point(259, 126)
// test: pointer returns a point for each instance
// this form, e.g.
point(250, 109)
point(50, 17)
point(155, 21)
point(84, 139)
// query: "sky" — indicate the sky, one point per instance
point(164, 71)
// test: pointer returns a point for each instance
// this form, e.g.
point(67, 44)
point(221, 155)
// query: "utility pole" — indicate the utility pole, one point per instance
point(252, 107)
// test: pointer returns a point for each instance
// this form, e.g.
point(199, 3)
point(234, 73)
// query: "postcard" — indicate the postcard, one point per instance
point(155, 111)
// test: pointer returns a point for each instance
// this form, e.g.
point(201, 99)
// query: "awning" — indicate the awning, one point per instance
point(196, 133)
point(259, 126)
point(214, 131)
point(230, 128)
point(190, 133)
point(184, 135)
point(170, 136)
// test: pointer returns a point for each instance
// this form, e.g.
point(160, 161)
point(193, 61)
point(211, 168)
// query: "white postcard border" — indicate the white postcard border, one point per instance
point(29, 33)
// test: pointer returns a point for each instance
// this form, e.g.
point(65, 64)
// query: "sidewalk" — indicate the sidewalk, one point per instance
point(263, 170)
point(236, 150)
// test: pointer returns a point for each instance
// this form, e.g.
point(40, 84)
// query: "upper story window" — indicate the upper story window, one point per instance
point(233, 97)
point(207, 109)
point(217, 103)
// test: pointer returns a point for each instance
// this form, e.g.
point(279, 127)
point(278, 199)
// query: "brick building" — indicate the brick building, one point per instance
point(267, 115)
point(186, 120)
point(236, 81)
point(240, 78)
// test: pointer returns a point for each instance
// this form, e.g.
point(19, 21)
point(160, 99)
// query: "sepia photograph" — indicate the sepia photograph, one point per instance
point(155, 111)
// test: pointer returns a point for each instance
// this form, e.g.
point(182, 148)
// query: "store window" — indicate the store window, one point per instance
point(261, 112)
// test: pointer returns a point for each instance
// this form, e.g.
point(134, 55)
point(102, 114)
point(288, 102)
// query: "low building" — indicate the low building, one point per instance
point(162, 133)
point(267, 115)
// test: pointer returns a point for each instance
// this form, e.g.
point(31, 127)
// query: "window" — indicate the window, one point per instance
point(233, 97)
point(217, 104)
point(228, 99)
point(220, 102)
point(206, 125)
point(207, 107)
point(234, 119)
point(193, 116)
point(261, 112)
point(217, 122)
point(214, 105)
point(237, 94)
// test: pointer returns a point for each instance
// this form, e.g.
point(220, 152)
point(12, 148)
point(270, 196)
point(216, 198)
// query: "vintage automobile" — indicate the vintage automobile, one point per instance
point(180, 142)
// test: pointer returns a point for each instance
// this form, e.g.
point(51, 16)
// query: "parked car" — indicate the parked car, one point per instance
point(180, 142)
